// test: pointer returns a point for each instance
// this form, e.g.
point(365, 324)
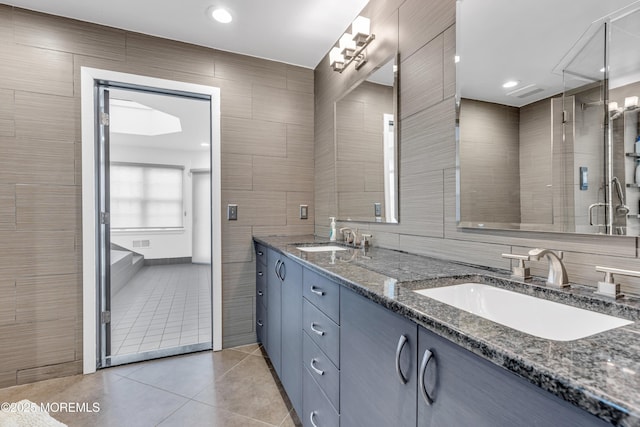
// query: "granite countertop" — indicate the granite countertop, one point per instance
point(599, 373)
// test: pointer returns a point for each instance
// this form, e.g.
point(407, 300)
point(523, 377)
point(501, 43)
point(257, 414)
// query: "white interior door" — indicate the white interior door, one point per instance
point(201, 199)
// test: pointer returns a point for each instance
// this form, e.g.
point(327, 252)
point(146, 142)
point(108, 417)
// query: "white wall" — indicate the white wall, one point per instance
point(163, 244)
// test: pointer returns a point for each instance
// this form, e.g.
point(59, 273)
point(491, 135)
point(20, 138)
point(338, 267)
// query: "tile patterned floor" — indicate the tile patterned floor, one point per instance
point(231, 388)
point(162, 306)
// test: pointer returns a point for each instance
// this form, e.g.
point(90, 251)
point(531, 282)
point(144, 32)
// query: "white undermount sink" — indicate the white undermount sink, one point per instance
point(321, 248)
point(534, 316)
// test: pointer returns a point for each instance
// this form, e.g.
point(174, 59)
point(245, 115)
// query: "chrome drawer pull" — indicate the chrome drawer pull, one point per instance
point(423, 370)
point(317, 331)
point(260, 273)
point(316, 370)
point(260, 253)
point(259, 322)
point(311, 417)
point(316, 291)
point(401, 343)
point(260, 293)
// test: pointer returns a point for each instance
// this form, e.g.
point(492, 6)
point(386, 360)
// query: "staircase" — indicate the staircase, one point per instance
point(124, 265)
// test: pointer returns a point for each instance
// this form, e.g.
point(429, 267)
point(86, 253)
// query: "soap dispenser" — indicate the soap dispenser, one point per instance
point(332, 229)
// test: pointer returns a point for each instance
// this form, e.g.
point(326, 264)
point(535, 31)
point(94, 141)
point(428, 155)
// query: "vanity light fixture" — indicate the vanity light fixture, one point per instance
point(219, 14)
point(510, 84)
point(351, 46)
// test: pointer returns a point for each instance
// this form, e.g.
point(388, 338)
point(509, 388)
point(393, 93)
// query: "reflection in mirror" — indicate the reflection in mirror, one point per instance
point(535, 149)
point(366, 149)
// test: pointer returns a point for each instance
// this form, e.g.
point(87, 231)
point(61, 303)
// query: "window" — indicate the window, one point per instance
point(146, 196)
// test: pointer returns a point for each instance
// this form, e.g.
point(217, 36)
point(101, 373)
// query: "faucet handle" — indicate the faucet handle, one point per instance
point(520, 271)
point(608, 287)
point(366, 240)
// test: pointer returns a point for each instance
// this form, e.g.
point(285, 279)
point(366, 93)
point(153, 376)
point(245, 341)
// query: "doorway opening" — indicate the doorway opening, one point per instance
point(151, 222)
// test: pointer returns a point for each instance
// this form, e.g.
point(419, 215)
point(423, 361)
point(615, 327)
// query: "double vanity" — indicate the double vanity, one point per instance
point(375, 337)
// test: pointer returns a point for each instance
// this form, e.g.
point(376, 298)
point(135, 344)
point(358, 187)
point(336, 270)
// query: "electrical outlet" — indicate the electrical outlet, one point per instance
point(377, 209)
point(232, 212)
point(304, 211)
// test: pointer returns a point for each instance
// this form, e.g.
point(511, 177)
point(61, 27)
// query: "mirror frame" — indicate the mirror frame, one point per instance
point(395, 57)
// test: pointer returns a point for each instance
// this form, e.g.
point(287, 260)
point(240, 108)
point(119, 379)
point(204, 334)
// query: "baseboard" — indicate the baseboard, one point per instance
point(167, 261)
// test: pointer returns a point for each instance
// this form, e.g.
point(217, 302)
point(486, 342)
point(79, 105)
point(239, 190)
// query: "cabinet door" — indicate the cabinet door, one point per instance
point(466, 390)
point(274, 293)
point(372, 392)
point(292, 332)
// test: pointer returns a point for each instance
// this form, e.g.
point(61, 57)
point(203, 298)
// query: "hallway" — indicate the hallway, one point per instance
point(162, 306)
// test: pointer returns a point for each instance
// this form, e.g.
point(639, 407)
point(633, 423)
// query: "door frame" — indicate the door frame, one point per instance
point(89, 76)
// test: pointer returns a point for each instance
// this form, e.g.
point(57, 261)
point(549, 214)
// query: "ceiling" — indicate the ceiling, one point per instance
point(298, 32)
point(503, 40)
point(194, 115)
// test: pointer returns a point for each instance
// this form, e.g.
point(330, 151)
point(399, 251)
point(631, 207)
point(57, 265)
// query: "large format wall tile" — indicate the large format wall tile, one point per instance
point(47, 117)
point(7, 302)
point(256, 137)
point(55, 33)
point(420, 23)
point(47, 207)
point(282, 174)
point(29, 345)
point(46, 298)
point(7, 207)
point(422, 84)
point(147, 51)
point(30, 161)
point(283, 106)
point(31, 69)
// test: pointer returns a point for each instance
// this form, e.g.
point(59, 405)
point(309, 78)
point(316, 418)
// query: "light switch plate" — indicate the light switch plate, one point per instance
point(232, 212)
point(304, 211)
point(377, 209)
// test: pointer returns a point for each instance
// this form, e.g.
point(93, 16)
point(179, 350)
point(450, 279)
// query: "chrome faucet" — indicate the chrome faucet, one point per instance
point(557, 273)
point(347, 234)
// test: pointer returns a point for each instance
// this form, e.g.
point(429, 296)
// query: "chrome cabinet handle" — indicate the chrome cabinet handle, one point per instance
point(282, 274)
point(317, 331)
point(316, 291)
point(313, 366)
point(260, 273)
point(423, 370)
point(260, 253)
point(277, 269)
point(401, 343)
point(260, 293)
point(259, 322)
point(311, 417)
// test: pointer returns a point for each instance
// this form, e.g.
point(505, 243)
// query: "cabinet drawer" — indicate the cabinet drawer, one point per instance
point(261, 323)
point(323, 293)
point(261, 254)
point(322, 370)
point(322, 330)
point(316, 409)
point(261, 286)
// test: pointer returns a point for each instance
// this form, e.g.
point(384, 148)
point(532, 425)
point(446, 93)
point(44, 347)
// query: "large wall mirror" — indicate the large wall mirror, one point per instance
point(548, 116)
point(366, 148)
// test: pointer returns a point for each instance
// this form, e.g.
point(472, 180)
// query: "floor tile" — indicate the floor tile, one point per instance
point(248, 389)
point(195, 413)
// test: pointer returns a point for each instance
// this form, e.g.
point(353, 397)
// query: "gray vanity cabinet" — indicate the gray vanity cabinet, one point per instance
point(378, 364)
point(261, 294)
point(273, 346)
point(284, 323)
point(291, 375)
point(458, 388)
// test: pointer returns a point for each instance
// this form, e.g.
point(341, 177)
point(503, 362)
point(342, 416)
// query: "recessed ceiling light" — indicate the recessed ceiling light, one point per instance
point(219, 14)
point(510, 83)
point(204, 144)
point(456, 59)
